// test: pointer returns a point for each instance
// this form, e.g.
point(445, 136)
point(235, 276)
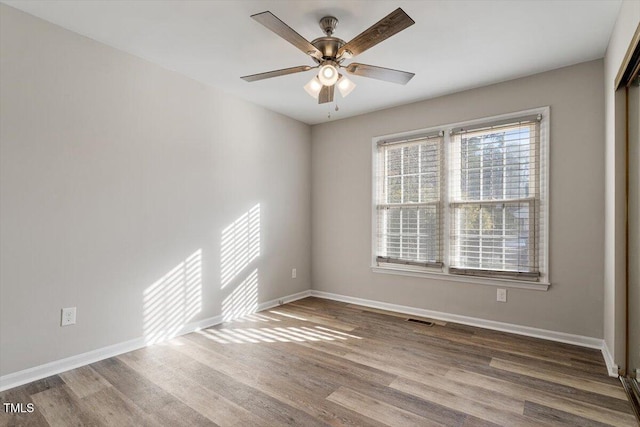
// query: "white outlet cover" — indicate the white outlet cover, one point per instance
point(68, 316)
point(294, 273)
point(501, 295)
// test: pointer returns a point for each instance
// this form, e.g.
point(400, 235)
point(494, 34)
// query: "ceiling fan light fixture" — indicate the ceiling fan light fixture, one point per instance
point(314, 87)
point(345, 86)
point(328, 75)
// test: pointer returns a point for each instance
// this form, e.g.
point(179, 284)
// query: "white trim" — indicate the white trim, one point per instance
point(528, 331)
point(612, 368)
point(505, 283)
point(545, 196)
point(284, 300)
point(58, 366)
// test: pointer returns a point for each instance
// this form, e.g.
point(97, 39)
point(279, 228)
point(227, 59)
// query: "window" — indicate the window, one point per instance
point(409, 209)
point(485, 216)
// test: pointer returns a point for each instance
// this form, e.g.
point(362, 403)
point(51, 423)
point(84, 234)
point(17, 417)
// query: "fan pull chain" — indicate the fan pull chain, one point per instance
point(336, 108)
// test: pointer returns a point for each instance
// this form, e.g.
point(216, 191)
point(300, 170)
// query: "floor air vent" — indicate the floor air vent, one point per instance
point(424, 322)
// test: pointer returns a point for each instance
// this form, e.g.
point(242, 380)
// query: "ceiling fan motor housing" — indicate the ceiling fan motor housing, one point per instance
point(328, 45)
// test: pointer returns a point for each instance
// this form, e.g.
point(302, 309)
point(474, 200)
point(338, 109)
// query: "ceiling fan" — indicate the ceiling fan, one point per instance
point(329, 53)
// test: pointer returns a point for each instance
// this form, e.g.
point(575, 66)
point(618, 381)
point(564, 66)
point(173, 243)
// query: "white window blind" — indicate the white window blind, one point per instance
point(409, 201)
point(494, 199)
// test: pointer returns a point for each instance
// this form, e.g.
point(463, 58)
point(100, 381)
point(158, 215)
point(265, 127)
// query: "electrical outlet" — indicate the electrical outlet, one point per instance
point(502, 295)
point(294, 273)
point(68, 316)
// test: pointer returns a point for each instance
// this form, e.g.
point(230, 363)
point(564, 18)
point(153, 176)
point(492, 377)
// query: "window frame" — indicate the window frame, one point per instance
point(443, 273)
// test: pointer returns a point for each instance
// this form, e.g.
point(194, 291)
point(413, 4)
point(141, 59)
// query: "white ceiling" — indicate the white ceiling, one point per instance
point(454, 45)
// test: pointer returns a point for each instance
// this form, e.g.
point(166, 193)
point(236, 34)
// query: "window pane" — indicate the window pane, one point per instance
point(411, 159)
point(411, 234)
point(495, 165)
point(492, 237)
point(394, 161)
point(394, 190)
point(411, 189)
point(429, 233)
point(430, 173)
point(470, 169)
point(409, 247)
point(392, 232)
point(393, 246)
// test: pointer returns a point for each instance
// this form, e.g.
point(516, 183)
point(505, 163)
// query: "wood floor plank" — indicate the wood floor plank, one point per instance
point(387, 414)
point(552, 400)
point(305, 396)
point(414, 404)
point(572, 381)
point(23, 394)
point(539, 346)
point(117, 410)
point(544, 357)
point(506, 380)
point(84, 381)
point(61, 408)
point(499, 401)
point(558, 417)
point(274, 384)
point(150, 398)
point(472, 421)
point(208, 403)
point(457, 402)
point(257, 363)
point(312, 317)
point(261, 404)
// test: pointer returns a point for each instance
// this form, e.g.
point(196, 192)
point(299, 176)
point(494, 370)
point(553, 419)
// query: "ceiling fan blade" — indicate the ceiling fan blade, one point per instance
point(380, 73)
point(276, 73)
point(391, 24)
point(326, 94)
point(273, 23)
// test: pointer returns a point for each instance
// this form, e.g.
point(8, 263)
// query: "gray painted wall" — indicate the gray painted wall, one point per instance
point(113, 173)
point(341, 203)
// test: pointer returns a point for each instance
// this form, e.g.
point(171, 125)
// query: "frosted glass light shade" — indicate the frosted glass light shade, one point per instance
point(314, 87)
point(328, 75)
point(345, 86)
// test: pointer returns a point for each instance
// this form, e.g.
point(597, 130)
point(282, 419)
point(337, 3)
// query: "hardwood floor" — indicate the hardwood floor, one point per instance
point(318, 362)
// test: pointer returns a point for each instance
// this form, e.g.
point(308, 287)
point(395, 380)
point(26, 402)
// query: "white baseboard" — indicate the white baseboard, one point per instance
point(471, 321)
point(56, 367)
point(279, 301)
point(612, 368)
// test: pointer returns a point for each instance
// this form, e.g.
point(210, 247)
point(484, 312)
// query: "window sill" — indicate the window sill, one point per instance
point(506, 283)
